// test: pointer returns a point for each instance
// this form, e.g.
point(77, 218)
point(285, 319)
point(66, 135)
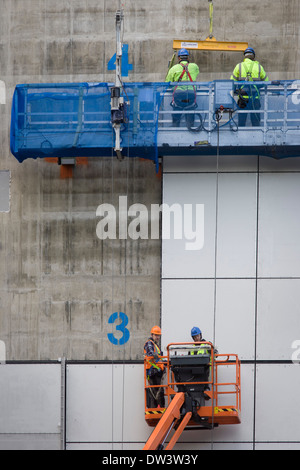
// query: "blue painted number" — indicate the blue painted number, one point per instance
point(125, 66)
point(121, 327)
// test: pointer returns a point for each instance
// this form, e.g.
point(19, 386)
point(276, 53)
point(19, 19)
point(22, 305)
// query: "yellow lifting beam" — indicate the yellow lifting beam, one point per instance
point(210, 43)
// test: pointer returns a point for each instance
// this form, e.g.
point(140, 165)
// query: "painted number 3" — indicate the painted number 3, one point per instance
point(121, 327)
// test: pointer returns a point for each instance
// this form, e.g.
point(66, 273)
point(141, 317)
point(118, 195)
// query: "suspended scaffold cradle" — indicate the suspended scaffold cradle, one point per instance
point(75, 120)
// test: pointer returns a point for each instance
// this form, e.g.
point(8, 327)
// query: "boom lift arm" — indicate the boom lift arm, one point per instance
point(168, 421)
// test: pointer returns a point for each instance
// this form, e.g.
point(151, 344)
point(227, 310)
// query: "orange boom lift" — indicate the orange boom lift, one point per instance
point(196, 393)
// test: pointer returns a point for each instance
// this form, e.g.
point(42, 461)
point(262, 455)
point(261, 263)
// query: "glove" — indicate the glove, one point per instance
point(243, 100)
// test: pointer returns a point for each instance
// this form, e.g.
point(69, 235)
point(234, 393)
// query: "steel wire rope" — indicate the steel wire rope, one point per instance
point(112, 297)
point(125, 268)
point(218, 118)
point(122, 5)
point(127, 121)
point(112, 277)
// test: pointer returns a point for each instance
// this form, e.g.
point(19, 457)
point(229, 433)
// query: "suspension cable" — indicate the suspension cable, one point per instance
point(112, 294)
point(218, 118)
point(211, 17)
point(125, 270)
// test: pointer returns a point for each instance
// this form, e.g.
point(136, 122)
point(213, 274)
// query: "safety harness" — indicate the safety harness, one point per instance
point(244, 93)
point(149, 362)
point(185, 70)
point(248, 77)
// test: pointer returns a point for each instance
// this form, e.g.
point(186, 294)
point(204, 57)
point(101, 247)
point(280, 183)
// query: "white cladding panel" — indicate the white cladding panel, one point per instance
point(188, 303)
point(30, 406)
point(236, 225)
point(278, 318)
point(279, 225)
point(177, 261)
point(105, 410)
point(277, 404)
point(248, 302)
point(105, 406)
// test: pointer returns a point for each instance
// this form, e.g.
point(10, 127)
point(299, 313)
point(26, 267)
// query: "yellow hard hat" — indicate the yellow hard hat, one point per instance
point(156, 330)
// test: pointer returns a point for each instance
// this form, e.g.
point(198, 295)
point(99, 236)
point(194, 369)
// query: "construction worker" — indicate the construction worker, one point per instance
point(249, 70)
point(184, 97)
point(202, 349)
point(196, 334)
point(155, 369)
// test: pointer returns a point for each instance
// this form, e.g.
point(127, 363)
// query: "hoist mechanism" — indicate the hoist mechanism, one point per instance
point(118, 110)
point(210, 43)
point(201, 389)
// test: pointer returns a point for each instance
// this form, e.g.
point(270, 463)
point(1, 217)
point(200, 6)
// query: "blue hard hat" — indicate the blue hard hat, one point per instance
point(183, 52)
point(249, 50)
point(196, 331)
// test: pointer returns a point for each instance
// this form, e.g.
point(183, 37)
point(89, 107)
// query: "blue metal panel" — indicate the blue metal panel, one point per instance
point(73, 120)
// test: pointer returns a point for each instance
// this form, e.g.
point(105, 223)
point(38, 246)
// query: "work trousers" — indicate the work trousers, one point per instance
point(183, 99)
point(155, 396)
point(253, 104)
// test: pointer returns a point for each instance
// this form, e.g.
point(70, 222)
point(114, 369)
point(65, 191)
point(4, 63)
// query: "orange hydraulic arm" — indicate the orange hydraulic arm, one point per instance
point(170, 417)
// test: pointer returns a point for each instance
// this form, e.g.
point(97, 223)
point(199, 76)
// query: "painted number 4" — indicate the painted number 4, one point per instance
point(125, 65)
point(121, 327)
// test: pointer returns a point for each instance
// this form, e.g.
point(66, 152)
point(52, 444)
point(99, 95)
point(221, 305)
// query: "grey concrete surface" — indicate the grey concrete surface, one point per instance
point(59, 283)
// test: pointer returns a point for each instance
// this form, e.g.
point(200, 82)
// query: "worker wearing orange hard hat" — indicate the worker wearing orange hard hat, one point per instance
point(154, 368)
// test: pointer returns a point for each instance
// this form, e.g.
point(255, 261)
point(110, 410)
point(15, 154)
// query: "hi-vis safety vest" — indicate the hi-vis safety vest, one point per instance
point(150, 359)
point(178, 71)
point(249, 71)
point(184, 72)
point(201, 349)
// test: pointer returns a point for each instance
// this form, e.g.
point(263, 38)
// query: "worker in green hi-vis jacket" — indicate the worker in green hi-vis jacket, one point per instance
point(250, 70)
point(184, 96)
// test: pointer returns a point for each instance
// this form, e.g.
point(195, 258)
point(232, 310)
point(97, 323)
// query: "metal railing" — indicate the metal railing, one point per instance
point(220, 385)
point(75, 119)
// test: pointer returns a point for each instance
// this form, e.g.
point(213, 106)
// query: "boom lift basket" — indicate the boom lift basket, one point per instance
point(210, 399)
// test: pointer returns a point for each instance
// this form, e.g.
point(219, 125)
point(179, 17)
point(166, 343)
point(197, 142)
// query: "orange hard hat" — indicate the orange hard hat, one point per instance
point(156, 330)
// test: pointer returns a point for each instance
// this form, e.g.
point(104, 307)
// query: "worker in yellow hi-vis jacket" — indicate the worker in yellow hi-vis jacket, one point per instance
point(196, 334)
point(202, 349)
point(184, 96)
point(250, 70)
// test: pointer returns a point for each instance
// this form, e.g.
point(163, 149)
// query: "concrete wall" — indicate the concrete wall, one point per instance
point(58, 283)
